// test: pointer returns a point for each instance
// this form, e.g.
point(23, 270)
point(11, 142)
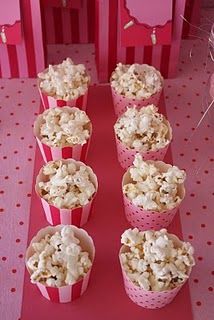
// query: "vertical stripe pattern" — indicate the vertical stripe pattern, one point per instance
point(78, 152)
point(25, 59)
point(51, 102)
point(70, 25)
point(164, 58)
point(67, 293)
point(77, 216)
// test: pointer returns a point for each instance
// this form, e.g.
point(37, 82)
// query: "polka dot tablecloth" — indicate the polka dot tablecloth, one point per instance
point(191, 149)
point(19, 104)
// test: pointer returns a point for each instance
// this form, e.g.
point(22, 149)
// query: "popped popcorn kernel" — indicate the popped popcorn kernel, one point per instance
point(62, 127)
point(136, 81)
point(155, 261)
point(58, 259)
point(67, 185)
point(152, 187)
point(143, 129)
point(65, 81)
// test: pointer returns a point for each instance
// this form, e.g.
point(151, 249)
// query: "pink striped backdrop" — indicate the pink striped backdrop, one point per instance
point(192, 14)
point(69, 25)
point(27, 58)
point(109, 50)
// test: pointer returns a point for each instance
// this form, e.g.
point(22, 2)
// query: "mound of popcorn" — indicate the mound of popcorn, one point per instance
point(58, 259)
point(65, 81)
point(154, 261)
point(136, 81)
point(66, 185)
point(144, 129)
point(66, 126)
point(152, 189)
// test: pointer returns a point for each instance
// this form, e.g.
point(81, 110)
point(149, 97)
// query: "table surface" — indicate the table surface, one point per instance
point(21, 214)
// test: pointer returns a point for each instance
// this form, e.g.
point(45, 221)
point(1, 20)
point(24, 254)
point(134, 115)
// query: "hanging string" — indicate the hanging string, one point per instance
point(210, 47)
point(209, 38)
point(192, 25)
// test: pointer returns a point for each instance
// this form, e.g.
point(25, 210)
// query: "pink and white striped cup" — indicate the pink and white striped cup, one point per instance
point(75, 216)
point(52, 101)
point(149, 299)
point(66, 293)
point(77, 152)
point(149, 219)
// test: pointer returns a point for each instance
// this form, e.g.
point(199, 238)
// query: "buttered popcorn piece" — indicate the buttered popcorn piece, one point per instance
point(67, 186)
point(144, 129)
point(65, 81)
point(66, 126)
point(152, 189)
point(136, 81)
point(154, 262)
point(58, 259)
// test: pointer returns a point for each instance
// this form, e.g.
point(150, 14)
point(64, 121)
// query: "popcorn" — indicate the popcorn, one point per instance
point(66, 126)
point(66, 184)
point(155, 261)
point(64, 81)
point(144, 129)
point(136, 81)
point(153, 188)
point(58, 259)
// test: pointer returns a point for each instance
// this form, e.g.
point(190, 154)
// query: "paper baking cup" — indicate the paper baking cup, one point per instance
point(77, 152)
point(149, 299)
point(76, 216)
point(51, 102)
point(66, 293)
point(121, 103)
point(126, 155)
point(147, 219)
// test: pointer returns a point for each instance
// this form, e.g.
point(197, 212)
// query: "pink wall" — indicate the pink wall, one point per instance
point(25, 59)
point(109, 51)
point(69, 25)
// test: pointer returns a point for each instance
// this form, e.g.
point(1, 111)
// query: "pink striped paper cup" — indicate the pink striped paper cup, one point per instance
point(121, 102)
point(75, 216)
point(52, 101)
point(77, 152)
point(65, 293)
point(149, 219)
point(149, 299)
point(126, 155)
